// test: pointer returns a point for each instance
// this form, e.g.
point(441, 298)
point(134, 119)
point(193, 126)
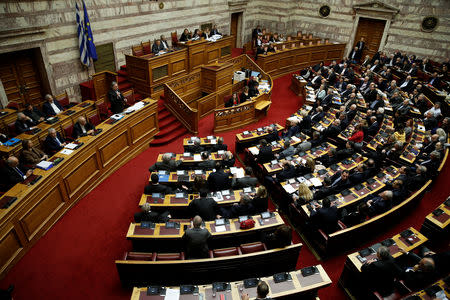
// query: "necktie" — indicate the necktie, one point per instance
point(18, 171)
point(57, 140)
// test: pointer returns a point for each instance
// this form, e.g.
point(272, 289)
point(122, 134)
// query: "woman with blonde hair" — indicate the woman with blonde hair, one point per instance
point(304, 195)
point(260, 200)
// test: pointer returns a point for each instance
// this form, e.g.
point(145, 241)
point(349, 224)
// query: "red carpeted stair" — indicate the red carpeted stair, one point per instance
point(169, 127)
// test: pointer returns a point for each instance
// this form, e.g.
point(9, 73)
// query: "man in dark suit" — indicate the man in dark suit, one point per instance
point(329, 159)
point(407, 84)
point(332, 77)
point(23, 123)
point(422, 273)
point(220, 145)
point(157, 47)
point(341, 85)
point(325, 217)
point(340, 180)
point(13, 173)
point(257, 31)
point(333, 130)
point(379, 204)
point(354, 55)
point(82, 128)
point(327, 100)
point(196, 240)
point(430, 121)
point(325, 190)
point(317, 115)
point(35, 114)
point(247, 181)
point(272, 134)
point(204, 207)
point(219, 180)
point(359, 175)
point(54, 141)
point(196, 147)
point(164, 43)
point(166, 164)
point(371, 95)
point(435, 81)
point(243, 208)
point(207, 163)
point(265, 152)
point(381, 273)
point(117, 100)
point(51, 107)
point(156, 187)
point(373, 127)
point(147, 215)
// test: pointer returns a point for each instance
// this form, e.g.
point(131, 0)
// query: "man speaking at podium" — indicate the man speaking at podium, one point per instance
point(116, 99)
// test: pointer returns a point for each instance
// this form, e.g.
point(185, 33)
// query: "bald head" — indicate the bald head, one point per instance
point(12, 161)
point(197, 222)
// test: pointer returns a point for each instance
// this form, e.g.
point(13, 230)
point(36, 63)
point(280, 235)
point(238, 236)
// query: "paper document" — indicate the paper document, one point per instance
point(289, 188)
point(315, 181)
point(254, 150)
point(172, 294)
point(197, 157)
point(71, 146)
point(44, 165)
point(66, 151)
point(221, 228)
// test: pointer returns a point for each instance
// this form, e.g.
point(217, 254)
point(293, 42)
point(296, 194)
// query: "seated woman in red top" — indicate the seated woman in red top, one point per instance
point(358, 134)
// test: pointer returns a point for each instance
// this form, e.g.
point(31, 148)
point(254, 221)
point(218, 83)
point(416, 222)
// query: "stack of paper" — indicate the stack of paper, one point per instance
point(66, 151)
point(71, 146)
point(44, 165)
point(254, 150)
point(289, 188)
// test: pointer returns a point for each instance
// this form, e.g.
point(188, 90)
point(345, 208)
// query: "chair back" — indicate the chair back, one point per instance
point(63, 99)
point(253, 247)
point(94, 119)
point(12, 128)
point(138, 50)
point(139, 256)
point(13, 105)
point(226, 252)
point(146, 47)
point(68, 131)
point(174, 37)
point(129, 95)
point(168, 256)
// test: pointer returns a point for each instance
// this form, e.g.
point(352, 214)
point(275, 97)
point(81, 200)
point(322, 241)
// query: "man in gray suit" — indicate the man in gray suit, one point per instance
point(288, 150)
point(167, 164)
point(247, 181)
point(196, 240)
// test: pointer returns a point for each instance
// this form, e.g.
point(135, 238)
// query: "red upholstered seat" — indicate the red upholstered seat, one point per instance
point(138, 50)
point(13, 105)
point(341, 225)
point(129, 95)
point(94, 119)
point(227, 252)
point(168, 256)
point(103, 111)
point(174, 38)
point(68, 130)
point(12, 129)
point(226, 99)
point(146, 47)
point(63, 99)
point(253, 247)
point(138, 256)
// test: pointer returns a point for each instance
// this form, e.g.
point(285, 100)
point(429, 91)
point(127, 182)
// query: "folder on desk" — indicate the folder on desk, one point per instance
point(308, 271)
point(388, 242)
point(438, 212)
point(365, 252)
point(149, 225)
point(281, 277)
point(156, 290)
point(188, 289)
point(251, 282)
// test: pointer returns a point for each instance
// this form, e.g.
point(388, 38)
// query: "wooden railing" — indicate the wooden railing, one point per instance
point(234, 117)
point(187, 116)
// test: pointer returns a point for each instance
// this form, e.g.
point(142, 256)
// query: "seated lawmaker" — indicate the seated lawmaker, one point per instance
point(23, 123)
point(243, 208)
point(421, 274)
point(245, 95)
point(13, 173)
point(117, 100)
point(164, 43)
point(157, 47)
point(147, 215)
point(167, 164)
point(34, 113)
point(357, 135)
point(50, 107)
point(82, 128)
point(261, 292)
point(379, 204)
point(156, 187)
point(220, 145)
point(196, 147)
point(381, 273)
point(265, 152)
point(207, 163)
point(205, 207)
point(54, 141)
point(247, 181)
point(325, 217)
point(233, 101)
point(280, 238)
point(31, 155)
point(196, 240)
point(185, 36)
point(219, 180)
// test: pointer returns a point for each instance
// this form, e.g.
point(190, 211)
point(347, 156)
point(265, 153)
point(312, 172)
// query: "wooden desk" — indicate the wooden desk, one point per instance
point(202, 271)
point(209, 141)
point(148, 73)
point(411, 150)
point(65, 119)
point(289, 60)
point(193, 157)
point(437, 226)
point(326, 121)
point(298, 85)
point(386, 129)
point(203, 52)
point(172, 177)
point(423, 294)
point(41, 205)
point(277, 146)
point(299, 286)
point(7, 116)
point(162, 239)
point(351, 280)
point(248, 138)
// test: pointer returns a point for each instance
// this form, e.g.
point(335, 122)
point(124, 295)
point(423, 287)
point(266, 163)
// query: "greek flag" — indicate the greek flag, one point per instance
point(92, 52)
point(81, 39)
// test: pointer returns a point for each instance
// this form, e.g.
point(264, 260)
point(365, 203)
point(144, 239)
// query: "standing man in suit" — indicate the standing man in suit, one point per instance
point(50, 107)
point(54, 141)
point(23, 123)
point(265, 152)
point(116, 99)
point(13, 173)
point(360, 45)
point(196, 240)
point(205, 207)
point(325, 217)
point(219, 180)
point(147, 215)
point(82, 128)
point(354, 55)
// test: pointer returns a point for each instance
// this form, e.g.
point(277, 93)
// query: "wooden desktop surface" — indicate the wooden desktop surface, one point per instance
point(39, 206)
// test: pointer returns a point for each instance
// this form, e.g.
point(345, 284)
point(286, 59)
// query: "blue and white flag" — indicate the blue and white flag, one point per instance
point(92, 52)
point(81, 39)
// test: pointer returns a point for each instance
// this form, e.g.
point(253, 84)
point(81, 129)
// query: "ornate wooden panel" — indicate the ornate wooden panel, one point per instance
point(112, 150)
point(85, 171)
point(10, 246)
point(144, 127)
point(41, 212)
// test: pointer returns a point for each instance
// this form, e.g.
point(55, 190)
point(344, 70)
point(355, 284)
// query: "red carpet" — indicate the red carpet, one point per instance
point(75, 259)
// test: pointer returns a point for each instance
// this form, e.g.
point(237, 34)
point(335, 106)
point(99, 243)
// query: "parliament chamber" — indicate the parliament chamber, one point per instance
point(241, 158)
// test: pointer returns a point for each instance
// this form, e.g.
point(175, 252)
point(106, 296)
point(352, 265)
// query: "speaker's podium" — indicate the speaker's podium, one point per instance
point(215, 76)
